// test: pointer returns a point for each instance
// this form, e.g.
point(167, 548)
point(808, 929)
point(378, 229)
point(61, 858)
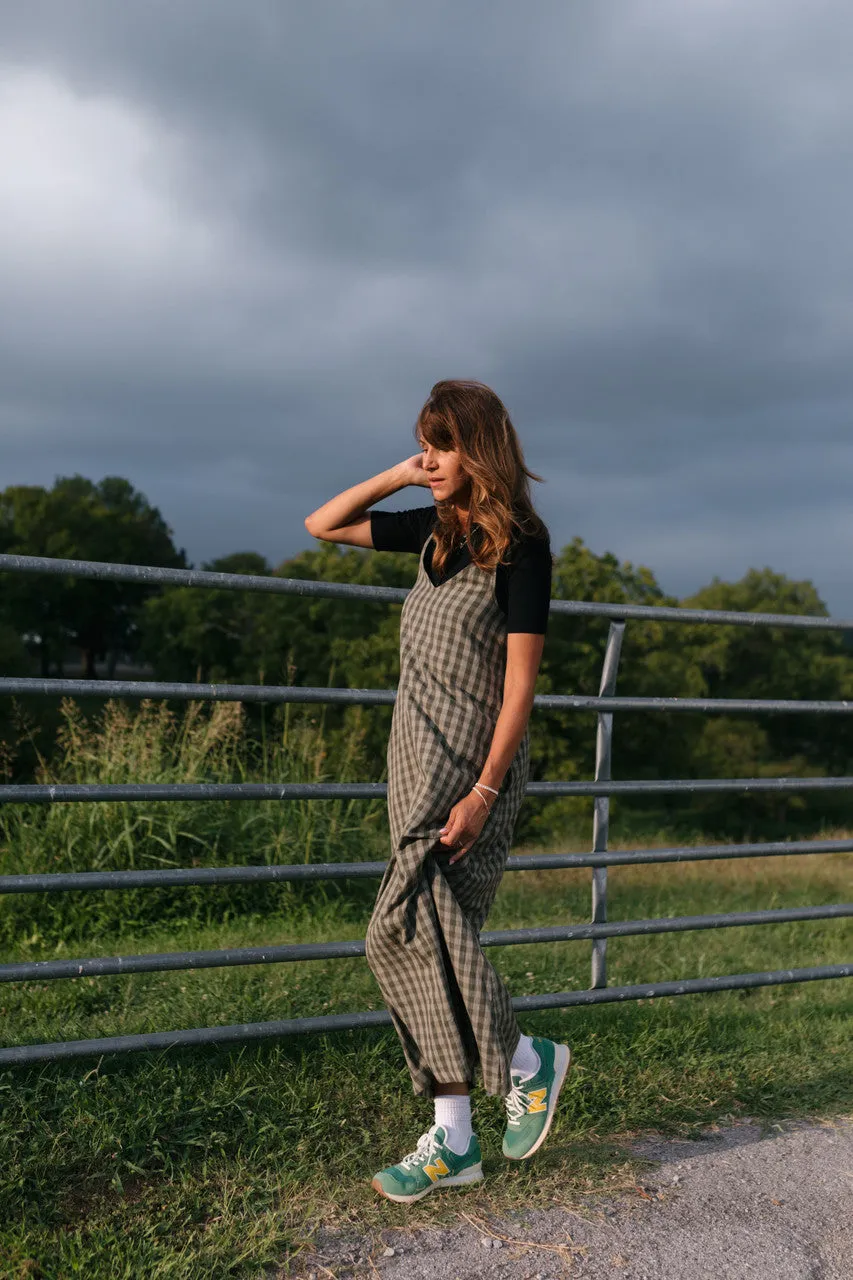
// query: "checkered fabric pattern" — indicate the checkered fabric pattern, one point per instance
point(450, 1008)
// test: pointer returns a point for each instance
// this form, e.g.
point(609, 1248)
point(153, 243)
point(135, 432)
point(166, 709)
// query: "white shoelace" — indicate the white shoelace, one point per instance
point(517, 1102)
point(425, 1150)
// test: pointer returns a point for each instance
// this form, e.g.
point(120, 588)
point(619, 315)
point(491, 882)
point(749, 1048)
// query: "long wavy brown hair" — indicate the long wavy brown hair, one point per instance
point(469, 417)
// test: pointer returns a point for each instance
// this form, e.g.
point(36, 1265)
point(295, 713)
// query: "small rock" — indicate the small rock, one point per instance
point(676, 1177)
point(497, 1244)
point(388, 1253)
point(486, 1242)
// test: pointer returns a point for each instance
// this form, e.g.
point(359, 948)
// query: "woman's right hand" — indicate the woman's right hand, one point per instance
point(411, 471)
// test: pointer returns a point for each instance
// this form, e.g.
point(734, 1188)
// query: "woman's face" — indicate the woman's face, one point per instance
point(443, 468)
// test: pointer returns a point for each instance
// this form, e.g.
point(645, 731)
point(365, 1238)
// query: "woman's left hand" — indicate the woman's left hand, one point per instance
point(467, 819)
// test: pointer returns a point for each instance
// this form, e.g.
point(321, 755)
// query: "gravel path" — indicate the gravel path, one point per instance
point(732, 1205)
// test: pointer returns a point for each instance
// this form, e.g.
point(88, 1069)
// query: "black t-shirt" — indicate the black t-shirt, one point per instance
point(522, 587)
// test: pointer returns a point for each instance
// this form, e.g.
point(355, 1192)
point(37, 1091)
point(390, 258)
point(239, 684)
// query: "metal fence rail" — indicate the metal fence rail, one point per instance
point(159, 962)
point(598, 930)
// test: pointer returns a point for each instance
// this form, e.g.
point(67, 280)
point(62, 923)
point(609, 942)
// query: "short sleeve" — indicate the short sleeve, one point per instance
point(529, 586)
point(401, 530)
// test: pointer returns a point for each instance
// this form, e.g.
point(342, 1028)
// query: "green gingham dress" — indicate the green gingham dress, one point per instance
point(448, 1005)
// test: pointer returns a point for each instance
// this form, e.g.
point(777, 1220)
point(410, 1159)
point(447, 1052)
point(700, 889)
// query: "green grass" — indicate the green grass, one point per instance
point(222, 1161)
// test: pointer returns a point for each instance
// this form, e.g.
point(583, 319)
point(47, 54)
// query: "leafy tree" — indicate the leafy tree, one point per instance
point(78, 519)
point(775, 662)
point(647, 744)
point(772, 663)
point(209, 634)
point(13, 662)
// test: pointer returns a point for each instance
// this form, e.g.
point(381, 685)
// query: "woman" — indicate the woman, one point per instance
point(472, 630)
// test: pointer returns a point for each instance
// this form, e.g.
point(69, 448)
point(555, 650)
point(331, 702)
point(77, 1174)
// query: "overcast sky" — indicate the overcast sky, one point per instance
point(240, 241)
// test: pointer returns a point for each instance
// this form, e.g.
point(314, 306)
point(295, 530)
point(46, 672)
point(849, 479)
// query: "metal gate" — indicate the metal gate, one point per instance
point(598, 930)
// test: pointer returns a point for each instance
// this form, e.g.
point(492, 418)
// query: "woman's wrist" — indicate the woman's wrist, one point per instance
point(489, 786)
point(397, 477)
point(485, 795)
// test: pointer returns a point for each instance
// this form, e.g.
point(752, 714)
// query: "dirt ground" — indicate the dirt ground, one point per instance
point(742, 1202)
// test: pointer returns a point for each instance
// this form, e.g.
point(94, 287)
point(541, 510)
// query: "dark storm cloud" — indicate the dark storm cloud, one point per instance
point(241, 241)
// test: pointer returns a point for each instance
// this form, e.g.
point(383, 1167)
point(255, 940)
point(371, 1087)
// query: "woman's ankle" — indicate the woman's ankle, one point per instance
point(453, 1113)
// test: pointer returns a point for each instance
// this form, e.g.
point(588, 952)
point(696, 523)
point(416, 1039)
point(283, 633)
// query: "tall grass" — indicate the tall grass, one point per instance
point(154, 743)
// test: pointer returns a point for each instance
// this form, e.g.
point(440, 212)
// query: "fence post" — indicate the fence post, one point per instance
point(601, 813)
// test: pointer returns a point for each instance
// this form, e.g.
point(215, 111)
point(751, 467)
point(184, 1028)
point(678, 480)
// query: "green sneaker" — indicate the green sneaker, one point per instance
point(433, 1164)
point(532, 1100)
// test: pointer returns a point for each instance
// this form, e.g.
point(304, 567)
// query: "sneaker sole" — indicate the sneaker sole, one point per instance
point(562, 1062)
point(474, 1174)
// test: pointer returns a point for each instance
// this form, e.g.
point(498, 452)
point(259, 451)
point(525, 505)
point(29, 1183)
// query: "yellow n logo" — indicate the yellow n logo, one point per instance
point(434, 1170)
point(537, 1100)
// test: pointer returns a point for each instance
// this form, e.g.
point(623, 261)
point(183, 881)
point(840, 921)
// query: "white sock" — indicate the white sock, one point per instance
point(453, 1113)
point(525, 1060)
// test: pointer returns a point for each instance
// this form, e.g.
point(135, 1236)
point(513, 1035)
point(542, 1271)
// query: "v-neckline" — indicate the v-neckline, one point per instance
point(435, 585)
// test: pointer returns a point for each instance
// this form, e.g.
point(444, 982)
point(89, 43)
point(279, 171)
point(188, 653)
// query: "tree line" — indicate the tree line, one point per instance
point(246, 637)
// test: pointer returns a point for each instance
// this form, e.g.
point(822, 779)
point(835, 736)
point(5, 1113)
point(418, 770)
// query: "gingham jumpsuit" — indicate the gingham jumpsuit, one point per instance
point(448, 1005)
